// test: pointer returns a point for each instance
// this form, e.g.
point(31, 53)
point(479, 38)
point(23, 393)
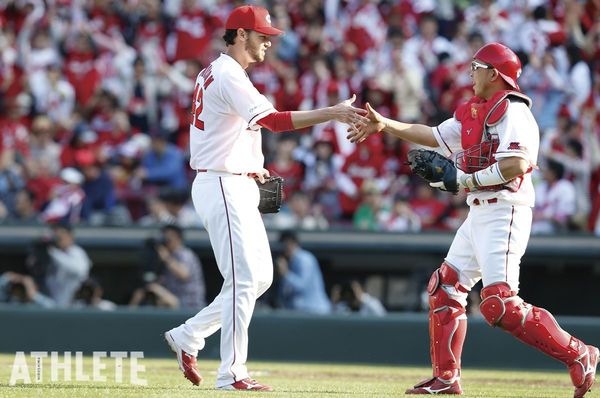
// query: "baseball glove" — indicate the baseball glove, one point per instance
point(435, 168)
point(271, 194)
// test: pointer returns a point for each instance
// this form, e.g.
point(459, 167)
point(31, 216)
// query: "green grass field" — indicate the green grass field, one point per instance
point(289, 379)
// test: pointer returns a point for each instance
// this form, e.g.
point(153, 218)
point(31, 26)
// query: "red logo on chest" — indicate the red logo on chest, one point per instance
point(514, 145)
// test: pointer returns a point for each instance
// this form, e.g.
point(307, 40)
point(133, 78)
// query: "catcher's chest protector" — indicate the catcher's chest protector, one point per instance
point(476, 116)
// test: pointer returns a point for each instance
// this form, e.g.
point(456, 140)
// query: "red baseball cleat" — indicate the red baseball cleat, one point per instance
point(436, 386)
point(247, 385)
point(583, 371)
point(187, 362)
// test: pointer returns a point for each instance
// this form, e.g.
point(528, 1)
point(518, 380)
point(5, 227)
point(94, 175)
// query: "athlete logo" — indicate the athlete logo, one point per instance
point(268, 18)
point(469, 131)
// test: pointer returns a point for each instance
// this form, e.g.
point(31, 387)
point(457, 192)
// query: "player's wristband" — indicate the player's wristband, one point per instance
point(489, 176)
point(277, 122)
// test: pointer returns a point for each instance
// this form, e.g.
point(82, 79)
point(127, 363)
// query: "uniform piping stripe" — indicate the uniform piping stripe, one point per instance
point(442, 138)
point(512, 217)
point(232, 271)
point(260, 116)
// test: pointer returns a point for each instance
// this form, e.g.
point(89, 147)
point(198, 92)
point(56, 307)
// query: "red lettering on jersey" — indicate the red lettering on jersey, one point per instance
point(206, 72)
point(514, 145)
point(209, 81)
point(197, 104)
point(197, 107)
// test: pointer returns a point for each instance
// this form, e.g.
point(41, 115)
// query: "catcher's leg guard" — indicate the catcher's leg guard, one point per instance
point(447, 329)
point(536, 327)
point(447, 322)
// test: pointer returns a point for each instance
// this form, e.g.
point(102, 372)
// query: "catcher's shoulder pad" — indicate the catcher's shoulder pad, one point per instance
point(497, 113)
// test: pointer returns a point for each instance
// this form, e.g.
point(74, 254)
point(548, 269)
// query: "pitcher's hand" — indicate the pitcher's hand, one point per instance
point(360, 131)
point(346, 113)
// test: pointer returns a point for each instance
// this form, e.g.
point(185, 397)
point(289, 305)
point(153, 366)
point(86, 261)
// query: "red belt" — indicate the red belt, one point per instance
point(478, 202)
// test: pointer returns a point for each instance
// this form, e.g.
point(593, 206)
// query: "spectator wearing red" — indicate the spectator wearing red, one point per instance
point(321, 168)
point(365, 163)
point(83, 139)
point(80, 68)
point(367, 29)
point(334, 131)
point(103, 17)
point(110, 123)
point(286, 166)
point(192, 32)
point(11, 73)
point(289, 96)
point(428, 207)
point(151, 33)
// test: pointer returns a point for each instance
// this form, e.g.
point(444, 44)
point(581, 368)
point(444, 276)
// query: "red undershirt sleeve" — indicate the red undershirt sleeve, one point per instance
point(277, 122)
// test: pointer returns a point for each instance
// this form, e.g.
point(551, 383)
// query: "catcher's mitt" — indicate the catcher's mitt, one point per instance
point(271, 194)
point(434, 168)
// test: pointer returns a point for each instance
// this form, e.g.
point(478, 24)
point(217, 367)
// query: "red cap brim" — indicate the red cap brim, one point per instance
point(269, 30)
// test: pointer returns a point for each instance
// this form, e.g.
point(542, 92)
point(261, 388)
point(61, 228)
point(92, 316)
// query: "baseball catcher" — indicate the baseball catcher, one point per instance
point(493, 139)
point(271, 194)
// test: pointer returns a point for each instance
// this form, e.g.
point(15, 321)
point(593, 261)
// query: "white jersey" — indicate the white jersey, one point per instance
point(519, 136)
point(224, 135)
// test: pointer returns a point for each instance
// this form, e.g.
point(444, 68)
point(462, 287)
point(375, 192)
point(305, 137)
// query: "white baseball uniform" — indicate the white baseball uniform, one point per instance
point(225, 144)
point(493, 238)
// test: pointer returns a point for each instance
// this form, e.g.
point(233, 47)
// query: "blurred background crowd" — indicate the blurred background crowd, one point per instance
point(94, 110)
point(95, 102)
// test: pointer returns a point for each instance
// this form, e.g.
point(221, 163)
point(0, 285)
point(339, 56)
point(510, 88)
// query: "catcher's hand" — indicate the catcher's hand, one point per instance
point(271, 194)
point(438, 170)
point(360, 131)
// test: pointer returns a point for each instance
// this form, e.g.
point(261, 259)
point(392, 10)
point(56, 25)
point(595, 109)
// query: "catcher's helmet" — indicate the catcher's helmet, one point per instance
point(503, 59)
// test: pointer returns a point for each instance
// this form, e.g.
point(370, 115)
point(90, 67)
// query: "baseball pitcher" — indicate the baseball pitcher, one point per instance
point(225, 143)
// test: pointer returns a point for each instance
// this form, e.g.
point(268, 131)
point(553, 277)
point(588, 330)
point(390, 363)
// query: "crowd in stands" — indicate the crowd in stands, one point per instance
point(95, 100)
point(57, 274)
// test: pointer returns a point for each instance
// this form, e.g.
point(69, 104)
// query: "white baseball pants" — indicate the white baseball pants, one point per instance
point(489, 245)
point(227, 205)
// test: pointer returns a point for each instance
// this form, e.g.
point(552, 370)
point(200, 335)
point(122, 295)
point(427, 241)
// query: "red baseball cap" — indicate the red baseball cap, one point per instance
point(251, 18)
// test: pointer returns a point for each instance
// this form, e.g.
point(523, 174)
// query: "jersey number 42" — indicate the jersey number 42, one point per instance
point(197, 103)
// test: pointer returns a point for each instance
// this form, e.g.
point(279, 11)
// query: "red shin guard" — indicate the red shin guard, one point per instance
point(447, 323)
point(536, 327)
